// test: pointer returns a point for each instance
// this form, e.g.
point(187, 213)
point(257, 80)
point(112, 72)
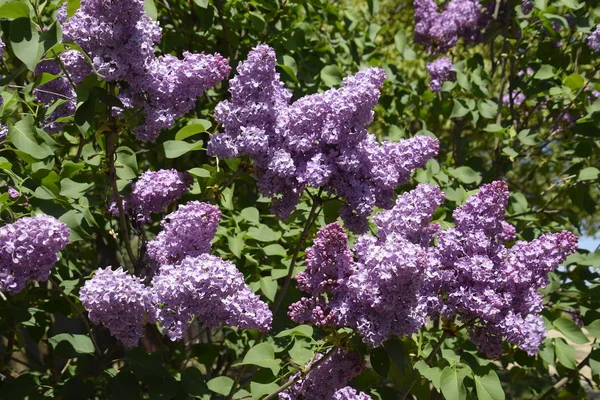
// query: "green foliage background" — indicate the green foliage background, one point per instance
point(551, 166)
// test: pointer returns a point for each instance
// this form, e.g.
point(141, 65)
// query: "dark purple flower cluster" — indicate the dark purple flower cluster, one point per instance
point(594, 39)
point(186, 232)
point(120, 301)
point(319, 140)
point(327, 378)
point(29, 249)
point(210, 289)
point(439, 31)
point(153, 191)
point(119, 38)
point(440, 71)
point(401, 278)
point(526, 6)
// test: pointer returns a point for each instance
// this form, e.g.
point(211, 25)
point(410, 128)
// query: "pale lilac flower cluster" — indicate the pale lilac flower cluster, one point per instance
point(210, 289)
point(13, 193)
point(594, 39)
point(186, 232)
point(469, 273)
point(392, 267)
point(349, 393)
point(120, 301)
point(319, 140)
point(517, 97)
point(326, 379)
point(152, 192)
point(119, 38)
point(188, 284)
point(440, 31)
point(29, 249)
point(440, 71)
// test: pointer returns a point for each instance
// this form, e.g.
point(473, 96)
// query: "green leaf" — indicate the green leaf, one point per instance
point(236, 244)
point(588, 174)
point(331, 76)
point(200, 172)
point(451, 383)
point(257, 20)
point(176, 148)
point(574, 81)
point(380, 361)
point(594, 329)
point(250, 214)
point(459, 110)
point(488, 385)
point(193, 382)
point(263, 355)
point(126, 163)
point(150, 9)
point(300, 330)
point(465, 174)
point(25, 41)
point(433, 374)
point(263, 234)
point(545, 72)
point(201, 3)
point(221, 385)
point(189, 130)
point(300, 354)
point(14, 9)
point(72, 7)
point(22, 136)
point(268, 286)
point(82, 344)
point(72, 189)
point(565, 354)
point(570, 330)
point(274, 250)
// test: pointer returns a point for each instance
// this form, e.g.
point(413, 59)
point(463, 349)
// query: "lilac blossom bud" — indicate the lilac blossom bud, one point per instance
point(186, 232)
point(210, 289)
point(120, 301)
point(327, 378)
point(440, 71)
point(29, 249)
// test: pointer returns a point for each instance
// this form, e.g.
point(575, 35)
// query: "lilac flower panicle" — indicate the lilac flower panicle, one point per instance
point(319, 140)
point(186, 232)
point(440, 31)
point(440, 71)
point(153, 191)
point(210, 289)
point(349, 393)
point(594, 39)
point(120, 301)
point(13, 193)
point(2, 45)
point(119, 38)
point(527, 6)
point(29, 249)
point(327, 378)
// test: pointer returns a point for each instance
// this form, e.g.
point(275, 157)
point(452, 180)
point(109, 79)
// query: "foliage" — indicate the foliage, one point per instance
point(522, 108)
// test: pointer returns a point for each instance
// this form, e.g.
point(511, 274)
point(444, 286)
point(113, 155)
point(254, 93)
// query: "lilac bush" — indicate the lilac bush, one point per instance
point(29, 249)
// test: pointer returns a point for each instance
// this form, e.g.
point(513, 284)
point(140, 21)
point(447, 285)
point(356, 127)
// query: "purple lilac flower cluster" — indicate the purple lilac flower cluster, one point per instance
point(189, 283)
point(29, 249)
point(2, 45)
point(440, 71)
point(153, 191)
point(186, 232)
point(469, 273)
point(210, 289)
point(120, 301)
point(119, 38)
point(517, 97)
point(439, 31)
point(392, 266)
point(348, 393)
point(327, 378)
point(319, 140)
point(594, 39)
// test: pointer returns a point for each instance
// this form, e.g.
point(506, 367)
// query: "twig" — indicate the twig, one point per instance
point(309, 221)
point(78, 312)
